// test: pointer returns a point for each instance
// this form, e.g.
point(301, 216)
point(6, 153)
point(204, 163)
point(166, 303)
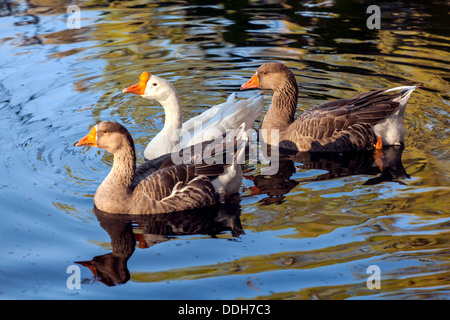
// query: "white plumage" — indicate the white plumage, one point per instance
point(208, 125)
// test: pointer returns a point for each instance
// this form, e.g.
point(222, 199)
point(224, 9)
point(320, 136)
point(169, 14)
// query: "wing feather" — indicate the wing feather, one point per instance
point(334, 120)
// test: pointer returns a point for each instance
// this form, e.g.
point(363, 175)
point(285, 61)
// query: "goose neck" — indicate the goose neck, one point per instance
point(284, 104)
point(122, 172)
point(173, 114)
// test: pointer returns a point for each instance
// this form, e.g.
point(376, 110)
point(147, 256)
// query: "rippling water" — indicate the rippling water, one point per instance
point(315, 227)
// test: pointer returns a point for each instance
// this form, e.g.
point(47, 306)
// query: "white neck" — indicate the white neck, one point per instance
point(172, 110)
point(169, 136)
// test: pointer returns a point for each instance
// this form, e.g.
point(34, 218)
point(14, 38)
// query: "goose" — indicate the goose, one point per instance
point(172, 187)
point(210, 124)
point(367, 121)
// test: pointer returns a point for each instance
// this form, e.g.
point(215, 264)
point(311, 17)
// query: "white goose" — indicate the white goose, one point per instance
point(208, 125)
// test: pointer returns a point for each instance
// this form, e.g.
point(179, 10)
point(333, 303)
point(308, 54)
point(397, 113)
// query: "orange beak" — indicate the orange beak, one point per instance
point(90, 265)
point(253, 82)
point(89, 140)
point(139, 88)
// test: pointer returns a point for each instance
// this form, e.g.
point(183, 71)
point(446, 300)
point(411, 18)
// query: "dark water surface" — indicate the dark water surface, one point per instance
point(316, 226)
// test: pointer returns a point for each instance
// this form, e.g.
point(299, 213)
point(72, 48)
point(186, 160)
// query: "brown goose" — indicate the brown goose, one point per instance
point(170, 188)
point(363, 122)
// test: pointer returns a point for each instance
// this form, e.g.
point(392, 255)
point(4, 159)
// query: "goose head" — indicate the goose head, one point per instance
point(272, 75)
point(151, 87)
point(108, 135)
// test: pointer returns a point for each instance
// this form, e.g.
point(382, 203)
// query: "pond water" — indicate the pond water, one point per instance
point(315, 227)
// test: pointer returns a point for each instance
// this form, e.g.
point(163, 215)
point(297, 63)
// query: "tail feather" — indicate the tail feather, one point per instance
point(404, 96)
point(230, 181)
point(391, 129)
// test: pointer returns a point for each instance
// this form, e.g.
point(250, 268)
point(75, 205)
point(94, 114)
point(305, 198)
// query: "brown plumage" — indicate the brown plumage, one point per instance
point(340, 125)
point(154, 187)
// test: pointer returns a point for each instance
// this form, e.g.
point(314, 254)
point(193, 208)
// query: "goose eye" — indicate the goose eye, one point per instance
point(155, 84)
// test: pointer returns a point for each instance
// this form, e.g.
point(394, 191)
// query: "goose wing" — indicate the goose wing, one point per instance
point(175, 188)
point(218, 119)
point(186, 155)
point(347, 117)
point(346, 123)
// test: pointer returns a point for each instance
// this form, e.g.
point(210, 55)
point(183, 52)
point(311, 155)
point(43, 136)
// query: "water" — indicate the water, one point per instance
point(315, 227)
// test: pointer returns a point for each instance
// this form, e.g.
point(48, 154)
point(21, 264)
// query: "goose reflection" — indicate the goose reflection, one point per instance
point(148, 230)
point(387, 166)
